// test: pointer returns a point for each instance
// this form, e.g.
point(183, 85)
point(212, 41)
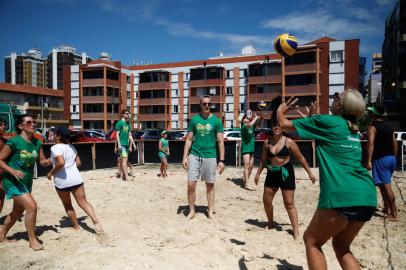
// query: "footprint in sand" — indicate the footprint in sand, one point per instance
point(103, 239)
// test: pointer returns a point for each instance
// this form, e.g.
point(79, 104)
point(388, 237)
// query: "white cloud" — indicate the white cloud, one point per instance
point(384, 2)
point(322, 22)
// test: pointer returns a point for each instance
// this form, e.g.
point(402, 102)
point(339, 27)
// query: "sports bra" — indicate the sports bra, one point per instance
point(282, 153)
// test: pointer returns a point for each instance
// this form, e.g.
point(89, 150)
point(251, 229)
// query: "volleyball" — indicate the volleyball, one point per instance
point(285, 44)
point(262, 105)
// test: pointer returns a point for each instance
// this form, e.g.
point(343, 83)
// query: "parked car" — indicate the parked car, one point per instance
point(82, 136)
point(137, 134)
point(400, 135)
point(95, 134)
point(177, 135)
point(151, 134)
point(232, 136)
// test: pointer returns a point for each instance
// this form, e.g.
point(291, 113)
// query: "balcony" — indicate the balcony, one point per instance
point(262, 96)
point(153, 101)
point(309, 89)
point(100, 82)
point(151, 117)
point(93, 116)
point(206, 83)
point(265, 79)
point(300, 69)
point(154, 85)
point(196, 99)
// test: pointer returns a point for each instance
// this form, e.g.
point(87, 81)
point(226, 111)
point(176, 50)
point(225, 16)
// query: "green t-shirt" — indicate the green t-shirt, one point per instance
point(205, 135)
point(23, 156)
point(247, 139)
point(124, 128)
point(344, 182)
point(165, 144)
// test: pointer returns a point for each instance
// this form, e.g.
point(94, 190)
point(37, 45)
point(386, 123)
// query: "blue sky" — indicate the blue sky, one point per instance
point(177, 30)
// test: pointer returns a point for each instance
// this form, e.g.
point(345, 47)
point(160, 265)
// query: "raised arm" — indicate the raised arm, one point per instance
point(283, 121)
point(294, 149)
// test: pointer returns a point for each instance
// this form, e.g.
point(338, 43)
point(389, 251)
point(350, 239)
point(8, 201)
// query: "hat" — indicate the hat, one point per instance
point(63, 132)
point(376, 111)
point(164, 132)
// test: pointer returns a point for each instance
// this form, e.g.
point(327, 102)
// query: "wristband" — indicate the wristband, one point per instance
point(221, 160)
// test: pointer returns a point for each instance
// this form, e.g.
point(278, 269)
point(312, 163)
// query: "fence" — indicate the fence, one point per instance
point(101, 155)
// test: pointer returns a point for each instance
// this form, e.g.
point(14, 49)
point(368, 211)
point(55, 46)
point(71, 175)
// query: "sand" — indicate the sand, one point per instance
point(145, 221)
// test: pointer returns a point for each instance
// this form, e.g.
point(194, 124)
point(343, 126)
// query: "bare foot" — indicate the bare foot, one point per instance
point(75, 228)
point(296, 235)
point(35, 245)
point(392, 218)
point(270, 225)
point(210, 215)
point(386, 211)
point(191, 215)
point(98, 227)
point(118, 175)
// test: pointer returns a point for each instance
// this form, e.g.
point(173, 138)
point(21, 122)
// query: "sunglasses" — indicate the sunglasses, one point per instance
point(30, 123)
point(127, 113)
point(206, 103)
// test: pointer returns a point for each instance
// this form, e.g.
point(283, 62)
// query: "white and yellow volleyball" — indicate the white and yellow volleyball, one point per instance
point(285, 44)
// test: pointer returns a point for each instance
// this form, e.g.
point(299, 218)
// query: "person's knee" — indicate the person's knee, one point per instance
point(31, 207)
point(191, 186)
point(289, 205)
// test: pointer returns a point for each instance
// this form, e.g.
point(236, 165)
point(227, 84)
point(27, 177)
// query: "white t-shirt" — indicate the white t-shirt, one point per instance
point(69, 175)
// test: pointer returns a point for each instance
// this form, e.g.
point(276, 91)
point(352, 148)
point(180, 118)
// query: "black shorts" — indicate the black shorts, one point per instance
point(67, 189)
point(275, 180)
point(359, 213)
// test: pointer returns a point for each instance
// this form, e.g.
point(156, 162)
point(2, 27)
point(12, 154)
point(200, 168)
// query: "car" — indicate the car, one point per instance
point(232, 136)
point(177, 135)
point(137, 134)
point(95, 134)
point(82, 136)
point(151, 134)
point(400, 135)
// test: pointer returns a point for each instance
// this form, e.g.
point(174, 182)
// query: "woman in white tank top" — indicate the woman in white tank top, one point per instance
point(67, 178)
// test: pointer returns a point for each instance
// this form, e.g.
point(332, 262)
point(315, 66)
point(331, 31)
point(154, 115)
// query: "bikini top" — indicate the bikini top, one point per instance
point(282, 153)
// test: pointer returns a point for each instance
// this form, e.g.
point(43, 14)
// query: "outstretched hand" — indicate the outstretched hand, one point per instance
point(310, 110)
point(288, 105)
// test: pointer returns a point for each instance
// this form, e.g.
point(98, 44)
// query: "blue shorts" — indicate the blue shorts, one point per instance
point(382, 169)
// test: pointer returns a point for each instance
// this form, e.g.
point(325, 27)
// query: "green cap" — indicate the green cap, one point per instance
point(374, 111)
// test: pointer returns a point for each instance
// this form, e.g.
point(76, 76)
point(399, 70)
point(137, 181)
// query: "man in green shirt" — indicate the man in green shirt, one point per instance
point(123, 137)
point(205, 131)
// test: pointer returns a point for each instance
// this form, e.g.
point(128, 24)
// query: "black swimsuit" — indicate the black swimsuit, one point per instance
point(275, 179)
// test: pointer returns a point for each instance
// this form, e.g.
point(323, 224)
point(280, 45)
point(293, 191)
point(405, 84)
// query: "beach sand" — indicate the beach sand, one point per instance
point(146, 226)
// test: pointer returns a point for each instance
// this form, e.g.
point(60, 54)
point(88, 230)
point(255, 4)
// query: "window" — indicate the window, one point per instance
point(229, 91)
point(175, 108)
point(242, 107)
point(243, 73)
point(336, 56)
point(128, 95)
point(229, 74)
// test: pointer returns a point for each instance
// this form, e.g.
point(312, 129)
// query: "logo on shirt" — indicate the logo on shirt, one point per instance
point(203, 129)
point(28, 158)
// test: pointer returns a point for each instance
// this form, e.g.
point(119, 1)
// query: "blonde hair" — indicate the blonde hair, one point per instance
point(352, 107)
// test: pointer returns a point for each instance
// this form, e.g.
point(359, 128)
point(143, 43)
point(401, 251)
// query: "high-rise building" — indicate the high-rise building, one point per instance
point(394, 65)
point(27, 69)
point(375, 80)
point(60, 58)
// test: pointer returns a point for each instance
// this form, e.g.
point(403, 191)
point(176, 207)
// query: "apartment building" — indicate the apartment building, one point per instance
point(98, 93)
point(167, 95)
point(30, 68)
point(375, 80)
point(394, 65)
point(45, 105)
point(27, 69)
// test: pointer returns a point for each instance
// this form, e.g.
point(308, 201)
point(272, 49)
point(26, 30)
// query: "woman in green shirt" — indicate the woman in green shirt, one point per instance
point(163, 153)
point(248, 145)
point(17, 159)
point(347, 194)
